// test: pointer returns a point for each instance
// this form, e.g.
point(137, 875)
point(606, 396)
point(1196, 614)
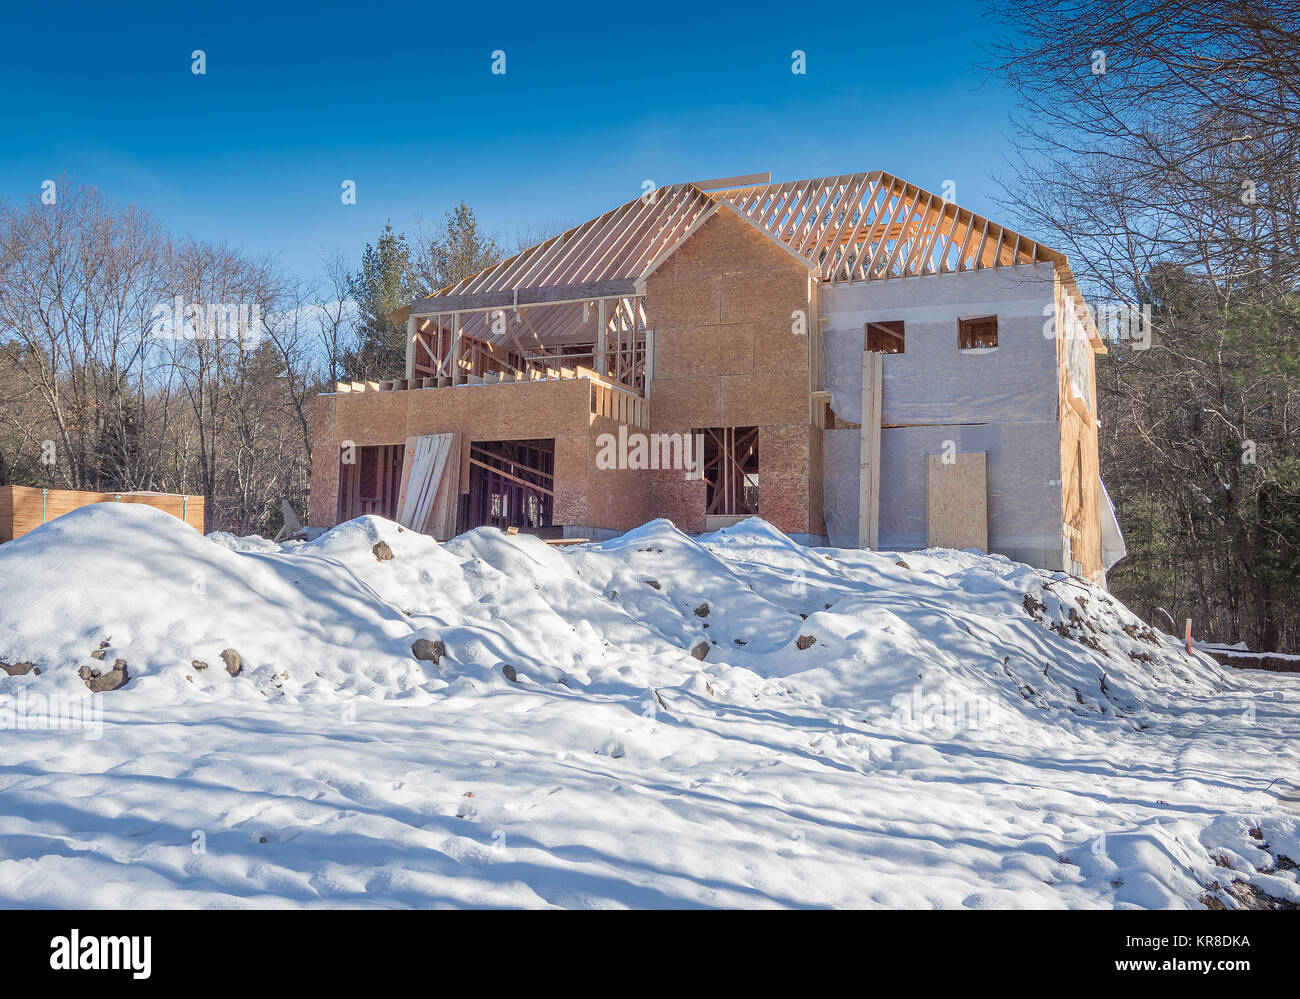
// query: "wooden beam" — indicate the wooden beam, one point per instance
point(602, 339)
point(410, 346)
point(513, 478)
point(869, 477)
point(457, 373)
point(723, 183)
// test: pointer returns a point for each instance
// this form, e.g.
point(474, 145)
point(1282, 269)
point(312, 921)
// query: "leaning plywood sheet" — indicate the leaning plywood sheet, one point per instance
point(957, 500)
point(441, 522)
point(422, 472)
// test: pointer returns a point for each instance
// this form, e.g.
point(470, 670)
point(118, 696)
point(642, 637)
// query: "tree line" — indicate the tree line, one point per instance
point(134, 359)
point(1158, 145)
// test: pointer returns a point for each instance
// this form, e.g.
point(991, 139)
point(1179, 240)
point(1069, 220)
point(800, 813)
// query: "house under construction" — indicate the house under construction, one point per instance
point(858, 361)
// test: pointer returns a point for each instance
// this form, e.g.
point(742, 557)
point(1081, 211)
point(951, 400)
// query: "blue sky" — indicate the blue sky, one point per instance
point(594, 101)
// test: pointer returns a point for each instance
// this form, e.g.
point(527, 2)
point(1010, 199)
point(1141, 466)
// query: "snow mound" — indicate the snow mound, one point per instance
point(241, 543)
point(729, 719)
point(842, 629)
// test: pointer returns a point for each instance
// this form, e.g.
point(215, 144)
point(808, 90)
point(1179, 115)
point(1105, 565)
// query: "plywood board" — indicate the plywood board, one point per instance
point(869, 477)
point(441, 522)
point(422, 470)
point(956, 490)
point(24, 508)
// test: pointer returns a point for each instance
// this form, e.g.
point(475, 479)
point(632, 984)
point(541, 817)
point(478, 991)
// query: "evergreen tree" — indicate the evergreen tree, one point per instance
point(458, 250)
point(384, 284)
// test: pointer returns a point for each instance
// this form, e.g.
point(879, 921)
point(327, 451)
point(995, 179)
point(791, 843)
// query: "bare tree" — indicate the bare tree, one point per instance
point(1159, 147)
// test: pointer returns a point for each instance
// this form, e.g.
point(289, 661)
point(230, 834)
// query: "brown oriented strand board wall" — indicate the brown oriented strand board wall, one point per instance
point(784, 476)
point(1080, 457)
point(616, 498)
point(726, 355)
point(23, 509)
point(956, 500)
point(323, 498)
point(559, 410)
point(816, 484)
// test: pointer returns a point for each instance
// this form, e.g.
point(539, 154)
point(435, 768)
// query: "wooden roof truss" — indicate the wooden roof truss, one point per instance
point(587, 284)
point(606, 257)
point(874, 226)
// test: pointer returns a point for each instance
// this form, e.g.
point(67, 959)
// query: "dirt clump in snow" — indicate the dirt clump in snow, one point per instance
point(382, 552)
point(1141, 634)
point(1247, 896)
point(20, 669)
point(234, 663)
point(100, 682)
point(428, 651)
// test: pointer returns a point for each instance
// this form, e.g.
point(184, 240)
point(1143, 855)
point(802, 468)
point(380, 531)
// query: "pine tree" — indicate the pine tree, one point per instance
point(384, 284)
point(458, 250)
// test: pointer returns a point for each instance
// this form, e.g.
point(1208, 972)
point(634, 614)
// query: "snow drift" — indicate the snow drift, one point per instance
point(657, 720)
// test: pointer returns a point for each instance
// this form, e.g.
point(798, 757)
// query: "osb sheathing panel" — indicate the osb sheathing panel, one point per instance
point(784, 470)
point(758, 297)
point(777, 350)
point(370, 417)
point(322, 509)
point(727, 355)
point(753, 400)
point(680, 500)
point(1079, 443)
point(485, 412)
point(723, 309)
point(1080, 460)
point(956, 495)
point(572, 469)
point(695, 301)
point(816, 483)
point(617, 498)
point(699, 351)
point(682, 404)
point(25, 508)
point(726, 244)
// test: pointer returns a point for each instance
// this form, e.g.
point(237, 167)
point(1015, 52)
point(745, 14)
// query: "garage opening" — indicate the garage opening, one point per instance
point(511, 484)
point(370, 479)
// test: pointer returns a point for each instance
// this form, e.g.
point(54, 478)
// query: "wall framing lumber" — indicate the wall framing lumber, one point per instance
point(873, 368)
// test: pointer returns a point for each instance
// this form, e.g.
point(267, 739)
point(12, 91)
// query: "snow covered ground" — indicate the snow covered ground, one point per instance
point(932, 729)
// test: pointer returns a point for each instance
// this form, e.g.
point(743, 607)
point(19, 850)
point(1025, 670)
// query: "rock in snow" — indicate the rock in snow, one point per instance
point(497, 722)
